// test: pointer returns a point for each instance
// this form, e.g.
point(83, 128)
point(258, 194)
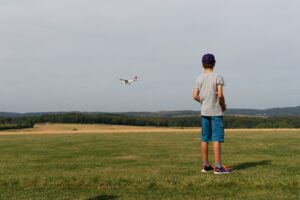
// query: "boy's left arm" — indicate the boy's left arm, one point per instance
point(221, 97)
point(196, 96)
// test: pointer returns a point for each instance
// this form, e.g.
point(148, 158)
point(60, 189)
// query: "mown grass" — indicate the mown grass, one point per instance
point(147, 166)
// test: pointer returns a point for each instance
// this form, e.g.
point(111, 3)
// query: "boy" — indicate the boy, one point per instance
point(209, 92)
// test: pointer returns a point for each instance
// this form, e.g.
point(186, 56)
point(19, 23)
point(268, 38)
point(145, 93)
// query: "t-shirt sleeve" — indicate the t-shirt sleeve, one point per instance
point(220, 80)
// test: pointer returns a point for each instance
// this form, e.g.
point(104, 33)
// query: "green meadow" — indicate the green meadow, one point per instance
point(148, 165)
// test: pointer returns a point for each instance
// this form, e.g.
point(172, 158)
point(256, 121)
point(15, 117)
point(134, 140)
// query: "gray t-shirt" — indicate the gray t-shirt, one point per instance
point(207, 85)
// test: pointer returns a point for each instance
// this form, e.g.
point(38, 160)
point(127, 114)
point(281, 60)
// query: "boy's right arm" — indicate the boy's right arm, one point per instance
point(221, 98)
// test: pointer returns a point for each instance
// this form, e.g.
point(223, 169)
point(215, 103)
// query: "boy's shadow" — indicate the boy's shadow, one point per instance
point(104, 197)
point(246, 165)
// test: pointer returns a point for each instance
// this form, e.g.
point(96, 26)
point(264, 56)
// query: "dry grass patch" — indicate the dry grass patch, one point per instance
point(91, 128)
point(104, 128)
point(128, 157)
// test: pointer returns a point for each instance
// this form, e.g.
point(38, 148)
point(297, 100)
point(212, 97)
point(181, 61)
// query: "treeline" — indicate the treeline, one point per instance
point(14, 123)
point(115, 119)
point(262, 122)
point(15, 126)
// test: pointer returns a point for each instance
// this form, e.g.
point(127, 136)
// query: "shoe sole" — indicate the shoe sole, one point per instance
point(221, 173)
point(205, 171)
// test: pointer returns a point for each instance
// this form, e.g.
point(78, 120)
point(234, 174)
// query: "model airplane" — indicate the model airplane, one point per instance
point(129, 81)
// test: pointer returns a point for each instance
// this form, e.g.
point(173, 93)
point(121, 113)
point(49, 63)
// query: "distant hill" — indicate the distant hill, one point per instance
point(284, 111)
point(179, 113)
point(12, 114)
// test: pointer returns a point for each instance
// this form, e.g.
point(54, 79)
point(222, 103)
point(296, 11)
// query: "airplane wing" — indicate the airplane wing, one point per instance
point(124, 81)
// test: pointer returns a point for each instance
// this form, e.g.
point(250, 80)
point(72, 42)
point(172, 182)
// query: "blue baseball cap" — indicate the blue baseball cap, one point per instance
point(208, 59)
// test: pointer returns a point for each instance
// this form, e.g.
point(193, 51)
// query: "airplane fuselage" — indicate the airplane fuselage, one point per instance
point(128, 82)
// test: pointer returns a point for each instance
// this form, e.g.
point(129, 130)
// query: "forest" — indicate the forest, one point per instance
point(117, 119)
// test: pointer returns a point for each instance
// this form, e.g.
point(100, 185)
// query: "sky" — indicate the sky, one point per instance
point(68, 55)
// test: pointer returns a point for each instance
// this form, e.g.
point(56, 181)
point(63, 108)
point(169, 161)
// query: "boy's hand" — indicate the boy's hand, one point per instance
point(224, 108)
point(222, 103)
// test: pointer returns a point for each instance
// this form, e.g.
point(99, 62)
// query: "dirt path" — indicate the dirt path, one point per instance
point(91, 128)
point(82, 129)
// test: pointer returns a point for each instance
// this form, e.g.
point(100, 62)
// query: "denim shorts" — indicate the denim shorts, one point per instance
point(212, 129)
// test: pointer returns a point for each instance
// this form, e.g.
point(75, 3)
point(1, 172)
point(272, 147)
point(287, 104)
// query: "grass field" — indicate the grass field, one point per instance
point(94, 162)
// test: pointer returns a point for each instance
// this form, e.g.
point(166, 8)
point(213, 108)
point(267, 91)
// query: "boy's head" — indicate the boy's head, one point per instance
point(208, 61)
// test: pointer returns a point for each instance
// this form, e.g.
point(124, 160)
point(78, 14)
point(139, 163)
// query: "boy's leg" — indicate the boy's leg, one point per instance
point(217, 153)
point(205, 138)
point(204, 153)
point(218, 138)
point(219, 168)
